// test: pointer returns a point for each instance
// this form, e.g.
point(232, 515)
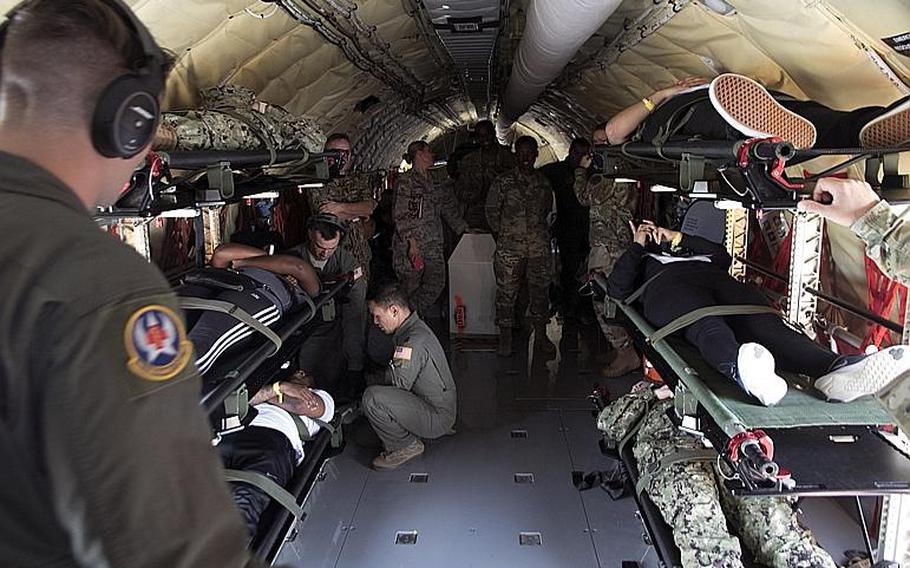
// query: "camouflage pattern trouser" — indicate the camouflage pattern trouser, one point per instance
point(510, 269)
point(602, 258)
point(423, 287)
point(688, 497)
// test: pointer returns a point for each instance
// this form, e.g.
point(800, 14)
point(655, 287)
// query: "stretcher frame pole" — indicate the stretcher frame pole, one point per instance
point(211, 225)
point(805, 263)
point(736, 240)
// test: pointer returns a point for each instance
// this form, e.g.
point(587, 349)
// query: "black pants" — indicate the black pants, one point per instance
point(266, 298)
point(718, 338)
point(834, 128)
point(262, 450)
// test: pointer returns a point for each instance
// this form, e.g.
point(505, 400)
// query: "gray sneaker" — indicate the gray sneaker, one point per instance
point(867, 376)
point(394, 459)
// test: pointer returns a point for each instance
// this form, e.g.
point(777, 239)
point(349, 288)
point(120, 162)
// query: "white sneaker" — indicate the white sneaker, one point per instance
point(755, 371)
point(867, 376)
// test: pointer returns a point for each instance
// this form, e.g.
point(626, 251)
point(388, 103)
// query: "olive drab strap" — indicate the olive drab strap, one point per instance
point(234, 311)
point(679, 456)
point(269, 487)
point(688, 319)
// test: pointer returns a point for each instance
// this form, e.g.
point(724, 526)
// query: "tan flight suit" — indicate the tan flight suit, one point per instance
point(418, 398)
point(106, 453)
point(887, 239)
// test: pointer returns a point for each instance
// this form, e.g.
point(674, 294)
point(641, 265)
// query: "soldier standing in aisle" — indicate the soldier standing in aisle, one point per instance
point(420, 207)
point(517, 208)
point(348, 196)
point(611, 206)
point(476, 172)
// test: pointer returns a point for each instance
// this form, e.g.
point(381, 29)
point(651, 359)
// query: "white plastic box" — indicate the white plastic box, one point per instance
point(472, 287)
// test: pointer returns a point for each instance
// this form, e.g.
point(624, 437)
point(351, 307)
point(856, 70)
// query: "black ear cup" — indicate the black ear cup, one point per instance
point(126, 117)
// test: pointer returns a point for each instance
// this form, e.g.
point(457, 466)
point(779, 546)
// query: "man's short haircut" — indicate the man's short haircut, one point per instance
point(327, 231)
point(62, 55)
point(336, 136)
point(526, 140)
point(388, 295)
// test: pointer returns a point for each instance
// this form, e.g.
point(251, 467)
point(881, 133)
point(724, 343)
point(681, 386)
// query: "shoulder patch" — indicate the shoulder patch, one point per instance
point(358, 274)
point(156, 343)
point(403, 353)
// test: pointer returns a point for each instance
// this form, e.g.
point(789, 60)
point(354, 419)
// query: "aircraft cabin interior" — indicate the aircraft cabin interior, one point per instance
point(443, 231)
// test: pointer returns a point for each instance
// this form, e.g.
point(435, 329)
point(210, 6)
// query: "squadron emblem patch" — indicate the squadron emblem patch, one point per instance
point(156, 343)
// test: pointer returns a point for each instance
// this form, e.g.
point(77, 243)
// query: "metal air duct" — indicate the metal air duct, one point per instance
point(553, 33)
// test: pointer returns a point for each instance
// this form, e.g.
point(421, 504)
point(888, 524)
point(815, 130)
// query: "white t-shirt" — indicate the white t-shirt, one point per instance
point(271, 416)
point(668, 259)
point(320, 264)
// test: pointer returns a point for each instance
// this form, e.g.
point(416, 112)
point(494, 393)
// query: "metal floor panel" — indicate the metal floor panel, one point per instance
point(471, 511)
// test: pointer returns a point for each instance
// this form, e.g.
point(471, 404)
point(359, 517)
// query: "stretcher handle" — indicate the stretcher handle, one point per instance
point(758, 461)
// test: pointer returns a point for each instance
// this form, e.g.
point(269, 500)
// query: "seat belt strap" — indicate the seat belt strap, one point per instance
point(688, 319)
point(234, 311)
point(679, 456)
point(269, 487)
point(304, 432)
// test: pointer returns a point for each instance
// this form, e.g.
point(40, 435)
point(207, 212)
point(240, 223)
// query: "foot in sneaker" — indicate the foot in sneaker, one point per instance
point(749, 108)
point(756, 375)
point(395, 458)
point(868, 376)
point(889, 129)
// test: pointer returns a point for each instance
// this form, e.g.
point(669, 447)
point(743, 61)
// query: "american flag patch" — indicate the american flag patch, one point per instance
point(403, 353)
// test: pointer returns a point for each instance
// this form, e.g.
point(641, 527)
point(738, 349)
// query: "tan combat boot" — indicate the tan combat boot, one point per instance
point(542, 343)
point(505, 341)
point(394, 459)
point(625, 360)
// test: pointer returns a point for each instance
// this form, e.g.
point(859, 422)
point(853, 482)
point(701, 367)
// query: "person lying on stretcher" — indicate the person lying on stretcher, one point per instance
point(691, 273)
point(272, 444)
point(266, 287)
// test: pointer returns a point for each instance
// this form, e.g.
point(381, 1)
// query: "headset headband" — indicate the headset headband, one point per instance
point(328, 219)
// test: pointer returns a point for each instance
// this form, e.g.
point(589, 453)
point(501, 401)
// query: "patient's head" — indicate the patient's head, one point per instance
point(389, 307)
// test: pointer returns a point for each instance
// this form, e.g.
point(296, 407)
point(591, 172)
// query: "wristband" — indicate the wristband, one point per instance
point(276, 388)
point(649, 104)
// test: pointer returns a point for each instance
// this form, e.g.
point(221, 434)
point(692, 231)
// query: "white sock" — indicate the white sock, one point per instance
point(755, 366)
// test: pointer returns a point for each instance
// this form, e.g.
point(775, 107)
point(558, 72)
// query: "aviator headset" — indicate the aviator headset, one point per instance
point(127, 112)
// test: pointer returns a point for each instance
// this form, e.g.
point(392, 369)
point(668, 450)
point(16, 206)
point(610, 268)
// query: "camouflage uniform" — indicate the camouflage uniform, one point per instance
point(233, 119)
point(611, 206)
point(420, 207)
point(477, 171)
point(887, 239)
point(693, 503)
point(517, 209)
point(348, 189)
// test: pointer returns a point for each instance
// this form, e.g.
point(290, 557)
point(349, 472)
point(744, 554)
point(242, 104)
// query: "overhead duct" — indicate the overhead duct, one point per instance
point(552, 35)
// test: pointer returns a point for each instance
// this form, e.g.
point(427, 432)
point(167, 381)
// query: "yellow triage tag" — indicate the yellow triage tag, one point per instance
point(276, 388)
point(403, 353)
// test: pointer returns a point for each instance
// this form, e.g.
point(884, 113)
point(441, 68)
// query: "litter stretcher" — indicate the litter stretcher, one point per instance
point(804, 446)
point(226, 395)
